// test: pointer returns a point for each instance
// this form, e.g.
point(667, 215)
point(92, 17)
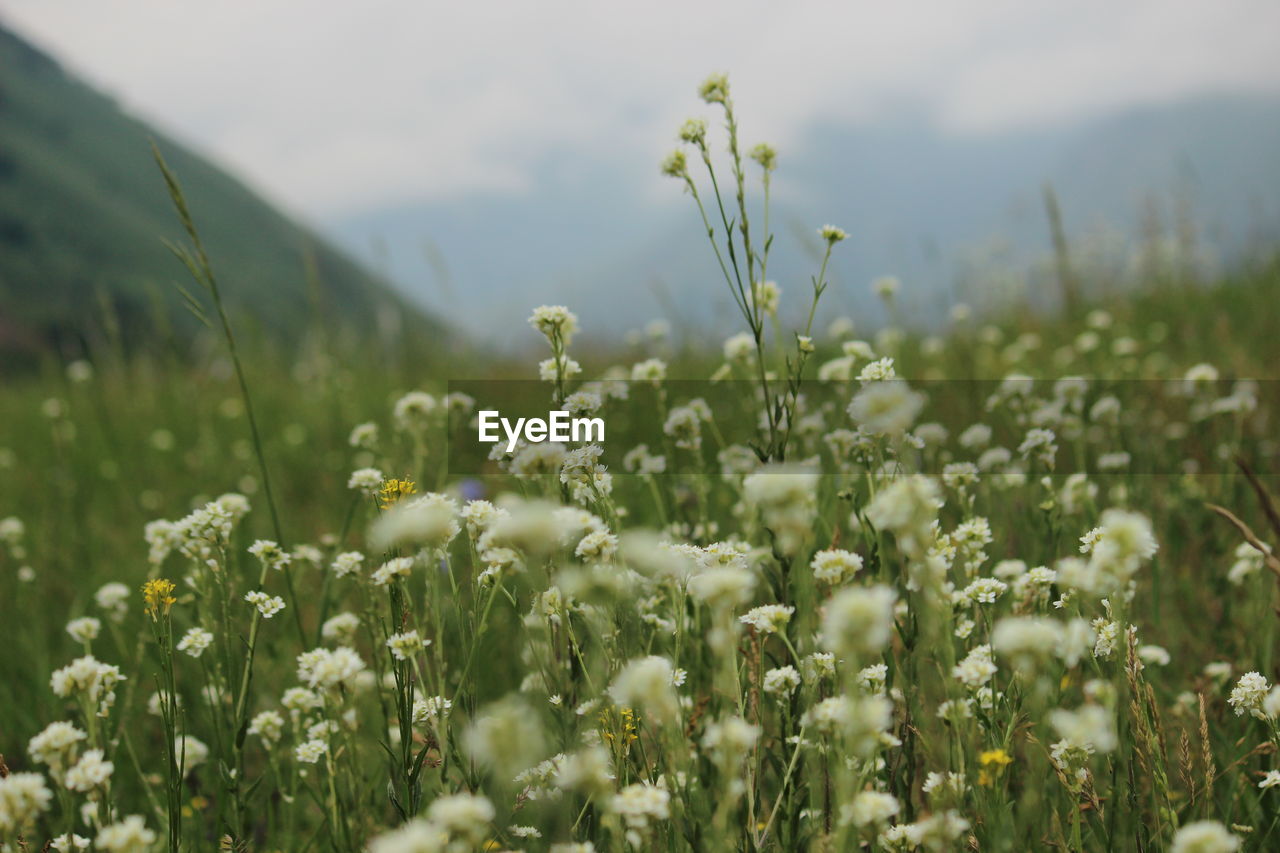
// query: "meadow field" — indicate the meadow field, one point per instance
point(1000, 586)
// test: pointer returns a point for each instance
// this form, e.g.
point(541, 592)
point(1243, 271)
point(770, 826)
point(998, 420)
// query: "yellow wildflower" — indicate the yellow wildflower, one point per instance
point(995, 756)
point(622, 728)
point(158, 595)
point(393, 490)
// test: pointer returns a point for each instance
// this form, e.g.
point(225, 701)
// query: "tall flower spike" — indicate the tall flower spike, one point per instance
point(766, 155)
point(675, 165)
point(694, 131)
point(715, 89)
point(832, 234)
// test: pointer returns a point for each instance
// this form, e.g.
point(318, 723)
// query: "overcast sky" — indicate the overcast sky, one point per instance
point(337, 107)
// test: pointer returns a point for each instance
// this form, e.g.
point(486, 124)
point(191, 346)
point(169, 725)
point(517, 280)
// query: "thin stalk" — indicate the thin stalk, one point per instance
point(202, 271)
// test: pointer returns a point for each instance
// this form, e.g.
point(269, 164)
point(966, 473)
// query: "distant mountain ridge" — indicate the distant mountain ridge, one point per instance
point(83, 212)
point(938, 210)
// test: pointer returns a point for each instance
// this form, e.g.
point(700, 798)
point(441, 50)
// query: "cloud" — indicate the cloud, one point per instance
point(336, 107)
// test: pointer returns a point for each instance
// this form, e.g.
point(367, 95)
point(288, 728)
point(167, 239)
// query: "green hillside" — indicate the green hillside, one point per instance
point(83, 217)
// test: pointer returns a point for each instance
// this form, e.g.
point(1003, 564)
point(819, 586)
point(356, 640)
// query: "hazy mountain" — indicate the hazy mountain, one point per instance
point(83, 212)
point(954, 216)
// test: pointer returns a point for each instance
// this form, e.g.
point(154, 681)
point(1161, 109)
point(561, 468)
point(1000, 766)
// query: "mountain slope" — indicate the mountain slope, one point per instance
point(83, 216)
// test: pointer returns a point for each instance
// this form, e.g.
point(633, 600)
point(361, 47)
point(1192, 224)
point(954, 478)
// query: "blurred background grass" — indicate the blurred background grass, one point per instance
point(117, 407)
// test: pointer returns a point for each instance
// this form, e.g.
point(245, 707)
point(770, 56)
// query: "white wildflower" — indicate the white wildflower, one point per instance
point(195, 641)
point(268, 605)
point(128, 836)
